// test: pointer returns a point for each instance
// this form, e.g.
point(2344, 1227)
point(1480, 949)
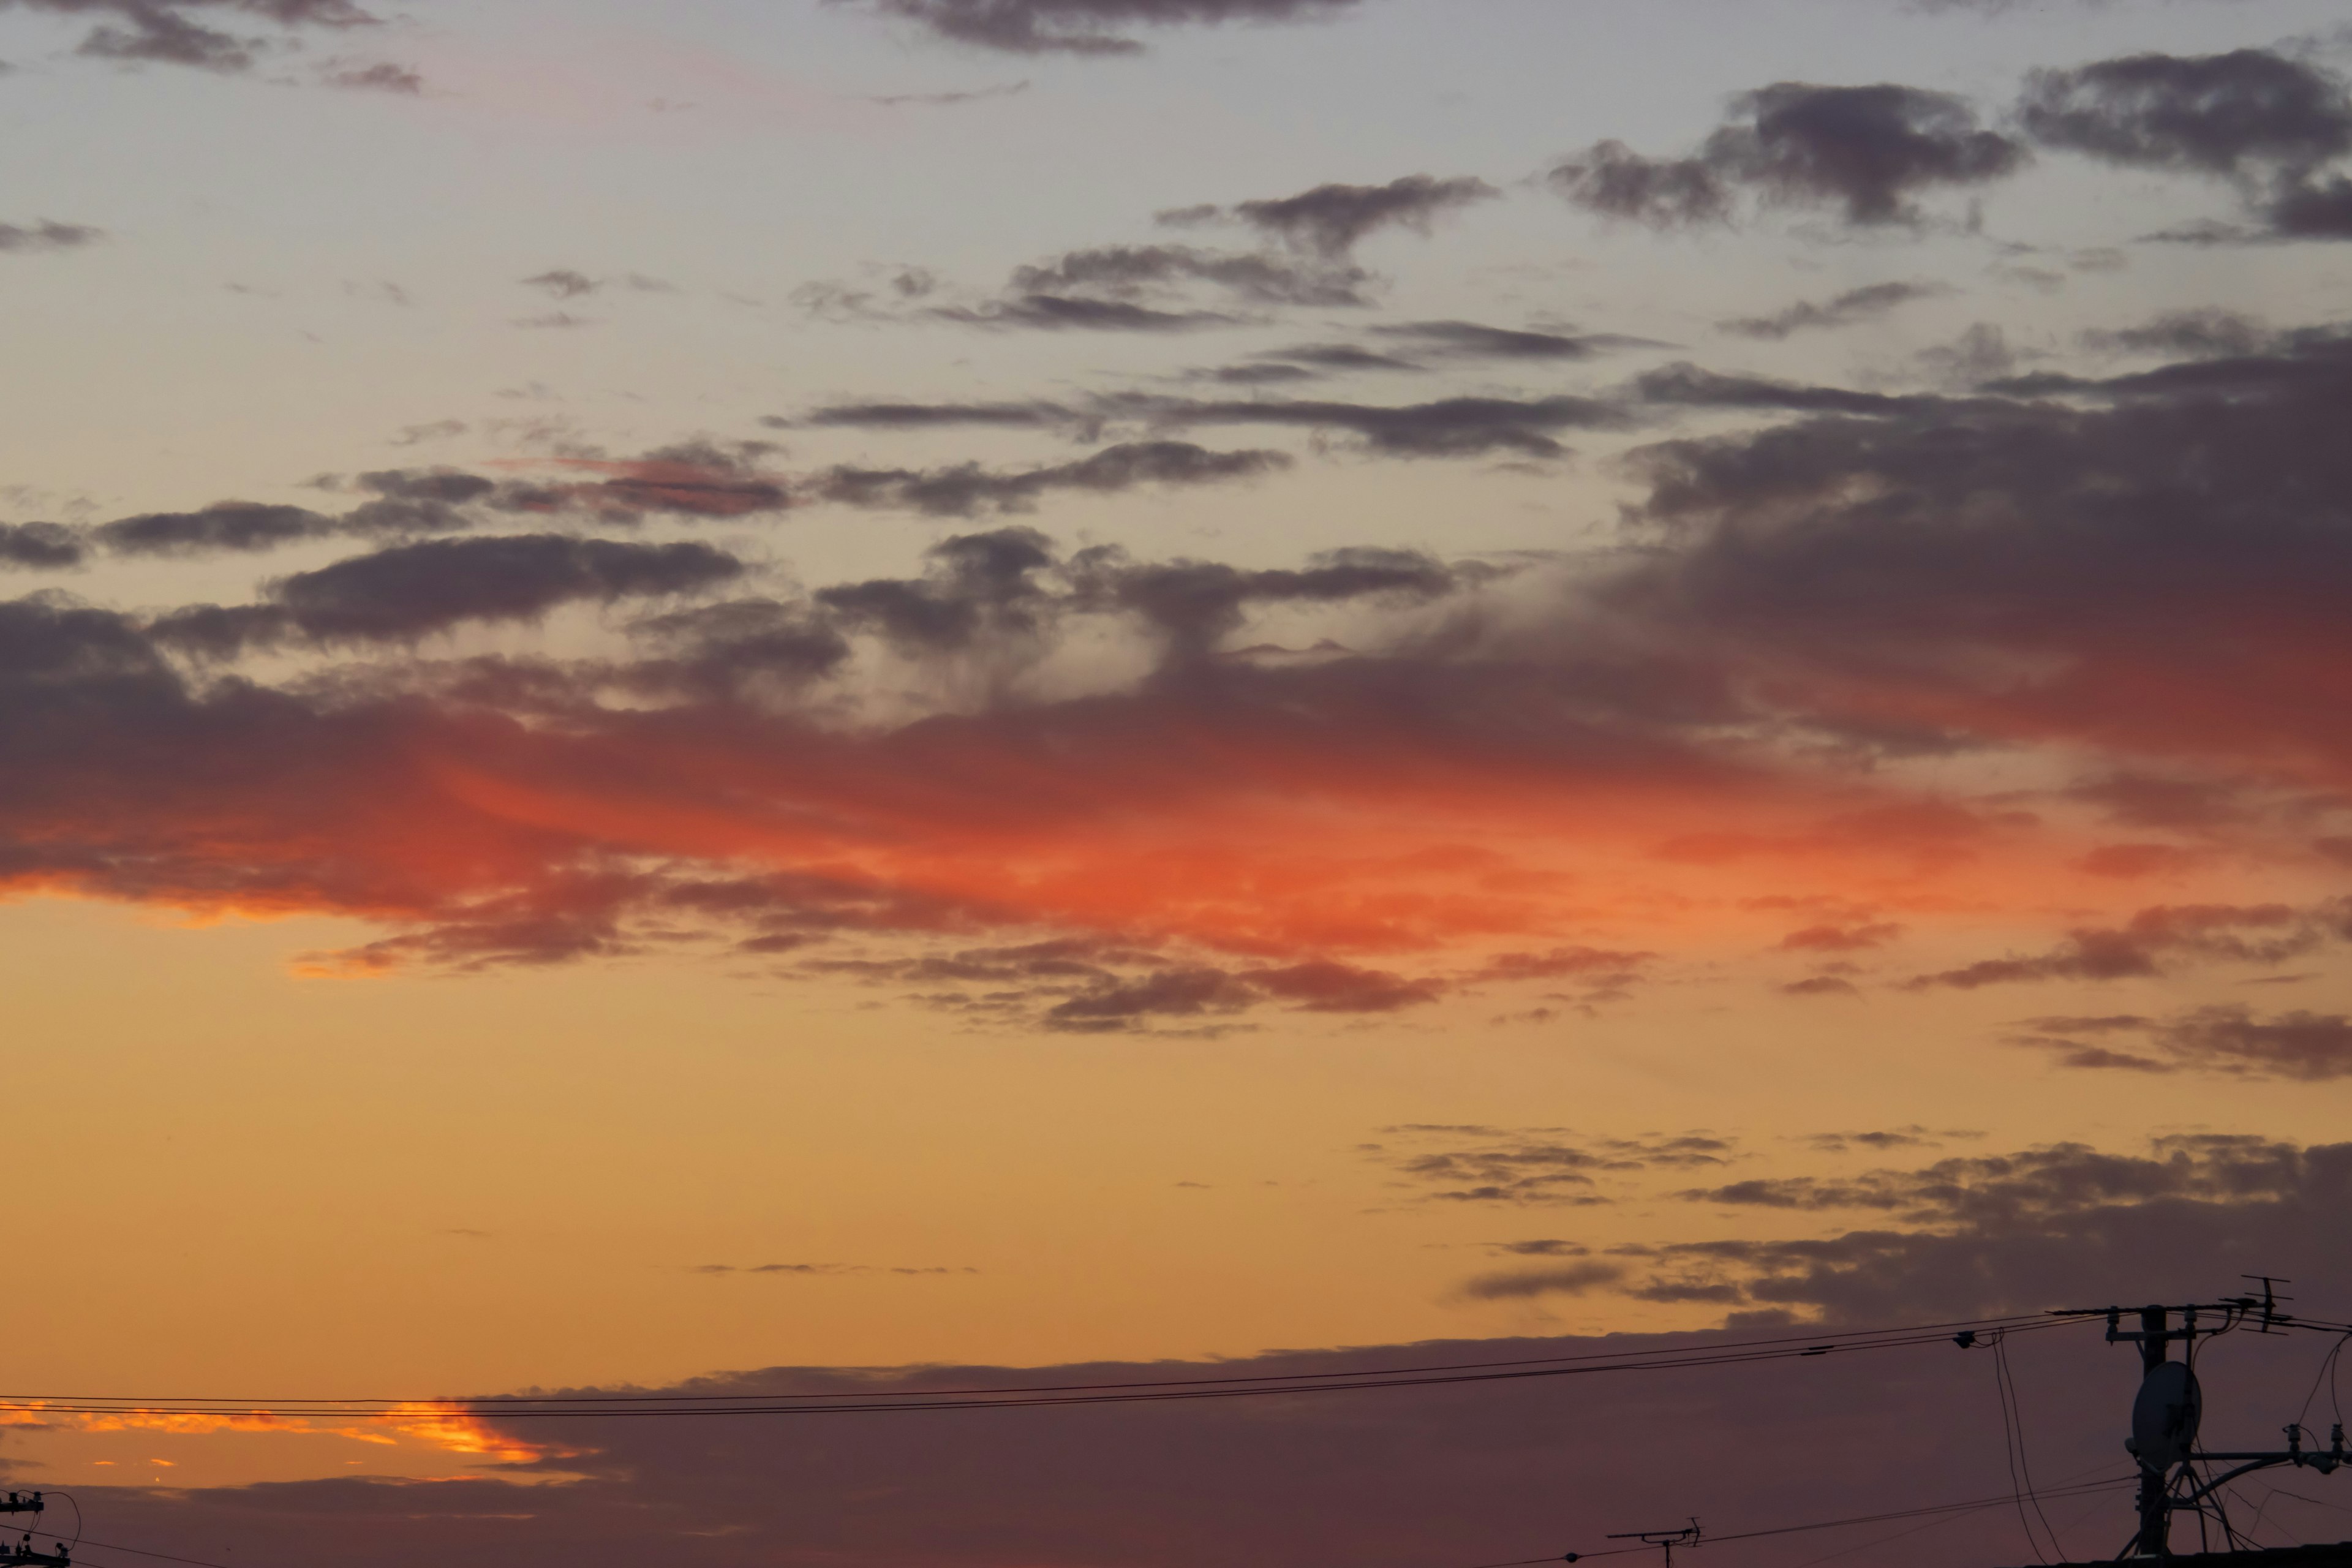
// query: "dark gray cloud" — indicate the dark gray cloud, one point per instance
point(236, 526)
point(2154, 940)
point(2233, 1040)
point(381, 77)
point(2118, 534)
point(15, 238)
point(1330, 219)
point(1308, 360)
point(1866, 150)
point(1115, 288)
point(1448, 427)
point(932, 415)
point(1062, 313)
point(413, 590)
point(1867, 304)
point(1130, 271)
point(2246, 110)
point(1471, 340)
point(2268, 122)
point(562, 283)
point(168, 32)
point(967, 489)
point(949, 99)
point(1685, 384)
point(696, 480)
point(1614, 181)
point(1197, 602)
point(2207, 334)
point(1086, 26)
point(41, 546)
point(1012, 582)
point(2313, 209)
point(1541, 1166)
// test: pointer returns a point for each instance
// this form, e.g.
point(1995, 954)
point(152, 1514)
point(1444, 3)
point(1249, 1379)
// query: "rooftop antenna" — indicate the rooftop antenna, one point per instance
point(1667, 1540)
point(2269, 1303)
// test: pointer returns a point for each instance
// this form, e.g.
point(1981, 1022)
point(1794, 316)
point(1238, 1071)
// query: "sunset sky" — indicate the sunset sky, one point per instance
point(754, 695)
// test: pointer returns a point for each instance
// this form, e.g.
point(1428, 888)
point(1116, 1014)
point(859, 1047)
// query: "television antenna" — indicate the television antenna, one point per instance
point(1665, 1539)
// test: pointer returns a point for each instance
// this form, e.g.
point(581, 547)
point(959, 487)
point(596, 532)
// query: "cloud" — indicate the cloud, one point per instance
point(2227, 1039)
point(934, 415)
point(40, 546)
point(1113, 287)
point(1125, 271)
point(1569, 1279)
point(2147, 945)
point(2249, 110)
point(562, 283)
point(2207, 333)
point(1455, 774)
point(1057, 313)
point(1842, 938)
point(2267, 122)
point(1471, 340)
point(1866, 150)
point(1086, 26)
point(1448, 427)
point(1537, 1167)
point(413, 590)
point(167, 32)
point(1867, 304)
point(2175, 498)
point(1614, 181)
point(967, 489)
point(694, 480)
point(381, 77)
point(238, 526)
point(1330, 220)
point(948, 99)
point(15, 239)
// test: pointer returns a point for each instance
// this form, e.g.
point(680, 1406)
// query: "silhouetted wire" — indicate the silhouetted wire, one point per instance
point(2009, 1452)
point(2327, 1365)
point(1936, 1524)
point(134, 1550)
point(1974, 1505)
point(2315, 1503)
point(2024, 1461)
point(614, 1406)
point(2084, 1490)
point(75, 1506)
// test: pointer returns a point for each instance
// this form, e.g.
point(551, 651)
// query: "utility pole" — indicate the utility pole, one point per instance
point(23, 1551)
point(2155, 1514)
point(2170, 1407)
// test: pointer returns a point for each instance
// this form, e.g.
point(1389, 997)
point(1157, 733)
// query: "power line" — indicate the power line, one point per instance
point(134, 1550)
point(1343, 1380)
point(2085, 1488)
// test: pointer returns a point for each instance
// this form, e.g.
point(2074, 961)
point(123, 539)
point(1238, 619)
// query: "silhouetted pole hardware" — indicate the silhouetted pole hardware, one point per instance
point(23, 1552)
point(1666, 1540)
point(22, 1502)
point(2170, 1406)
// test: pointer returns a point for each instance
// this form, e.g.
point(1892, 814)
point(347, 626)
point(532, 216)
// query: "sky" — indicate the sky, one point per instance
point(770, 696)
